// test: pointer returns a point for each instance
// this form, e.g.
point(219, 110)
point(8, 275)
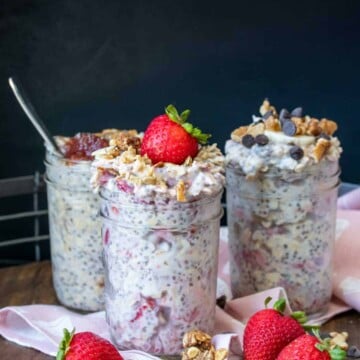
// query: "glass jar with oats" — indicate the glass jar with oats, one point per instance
point(74, 221)
point(160, 230)
point(282, 176)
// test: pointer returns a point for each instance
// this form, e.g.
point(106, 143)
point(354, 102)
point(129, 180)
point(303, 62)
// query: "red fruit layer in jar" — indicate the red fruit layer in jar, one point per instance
point(82, 145)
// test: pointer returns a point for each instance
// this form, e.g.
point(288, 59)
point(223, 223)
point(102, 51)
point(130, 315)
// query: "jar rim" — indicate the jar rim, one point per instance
point(75, 166)
point(214, 218)
point(128, 201)
point(314, 169)
point(67, 188)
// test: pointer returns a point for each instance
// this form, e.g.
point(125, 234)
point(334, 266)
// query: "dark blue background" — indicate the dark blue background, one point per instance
point(96, 64)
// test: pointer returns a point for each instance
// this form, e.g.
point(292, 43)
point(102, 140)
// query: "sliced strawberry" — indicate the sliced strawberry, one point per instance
point(148, 304)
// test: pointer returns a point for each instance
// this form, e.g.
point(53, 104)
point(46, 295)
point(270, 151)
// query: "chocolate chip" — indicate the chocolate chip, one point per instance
point(296, 152)
point(284, 114)
point(248, 140)
point(261, 139)
point(267, 114)
point(297, 112)
point(353, 352)
point(324, 136)
point(289, 128)
point(221, 301)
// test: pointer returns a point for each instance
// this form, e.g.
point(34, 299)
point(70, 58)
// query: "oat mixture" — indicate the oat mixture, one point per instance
point(160, 235)
point(74, 221)
point(282, 175)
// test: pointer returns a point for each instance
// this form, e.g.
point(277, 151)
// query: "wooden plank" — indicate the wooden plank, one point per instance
point(32, 284)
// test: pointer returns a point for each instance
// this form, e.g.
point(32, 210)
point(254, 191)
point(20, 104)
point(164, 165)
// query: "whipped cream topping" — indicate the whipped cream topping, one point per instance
point(292, 143)
point(133, 173)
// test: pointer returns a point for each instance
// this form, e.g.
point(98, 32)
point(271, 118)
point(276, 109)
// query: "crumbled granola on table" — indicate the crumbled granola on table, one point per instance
point(197, 346)
point(339, 339)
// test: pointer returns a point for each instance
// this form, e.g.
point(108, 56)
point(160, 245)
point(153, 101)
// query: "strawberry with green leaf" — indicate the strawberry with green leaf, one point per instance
point(268, 331)
point(171, 138)
point(86, 345)
point(309, 347)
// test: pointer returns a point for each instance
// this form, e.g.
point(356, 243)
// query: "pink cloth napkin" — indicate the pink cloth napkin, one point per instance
point(41, 326)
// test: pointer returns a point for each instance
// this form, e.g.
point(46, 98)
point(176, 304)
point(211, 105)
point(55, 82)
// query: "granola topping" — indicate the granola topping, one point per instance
point(121, 161)
point(280, 134)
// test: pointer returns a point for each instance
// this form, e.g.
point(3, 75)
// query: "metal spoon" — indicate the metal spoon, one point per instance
point(30, 111)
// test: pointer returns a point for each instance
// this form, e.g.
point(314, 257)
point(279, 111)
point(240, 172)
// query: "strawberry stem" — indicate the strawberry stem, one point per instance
point(267, 301)
point(337, 353)
point(299, 316)
point(64, 345)
point(181, 119)
point(280, 305)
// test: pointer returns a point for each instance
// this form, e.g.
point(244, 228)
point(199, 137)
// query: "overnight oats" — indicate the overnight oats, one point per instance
point(161, 214)
point(282, 175)
point(74, 221)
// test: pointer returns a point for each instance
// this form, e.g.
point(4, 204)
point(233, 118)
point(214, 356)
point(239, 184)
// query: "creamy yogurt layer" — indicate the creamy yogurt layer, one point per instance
point(282, 176)
point(310, 141)
point(135, 175)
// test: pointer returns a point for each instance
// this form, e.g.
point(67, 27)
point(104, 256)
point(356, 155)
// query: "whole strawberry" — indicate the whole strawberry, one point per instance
point(309, 347)
point(170, 138)
point(86, 345)
point(268, 331)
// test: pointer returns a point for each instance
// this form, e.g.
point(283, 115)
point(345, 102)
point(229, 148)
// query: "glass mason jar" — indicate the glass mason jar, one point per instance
point(281, 233)
point(160, 269)
point(75, 234)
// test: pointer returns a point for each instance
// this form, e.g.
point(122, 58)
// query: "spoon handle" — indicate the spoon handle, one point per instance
point(30, 111)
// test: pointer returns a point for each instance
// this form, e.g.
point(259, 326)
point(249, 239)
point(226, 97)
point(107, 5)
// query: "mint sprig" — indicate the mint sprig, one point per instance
point(181, 119)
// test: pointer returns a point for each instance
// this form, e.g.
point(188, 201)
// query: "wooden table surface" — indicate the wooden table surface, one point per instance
point(32, 284)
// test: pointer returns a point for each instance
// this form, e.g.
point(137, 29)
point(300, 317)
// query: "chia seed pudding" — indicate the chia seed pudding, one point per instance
point(160, 234)
point(74, 221)
point(282, 176)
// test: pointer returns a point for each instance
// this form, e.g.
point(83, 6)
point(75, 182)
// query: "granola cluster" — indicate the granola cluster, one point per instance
point(302, 129)
point(197, 346)
point(119, 141)
point(339, 339)
point(122, 161)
